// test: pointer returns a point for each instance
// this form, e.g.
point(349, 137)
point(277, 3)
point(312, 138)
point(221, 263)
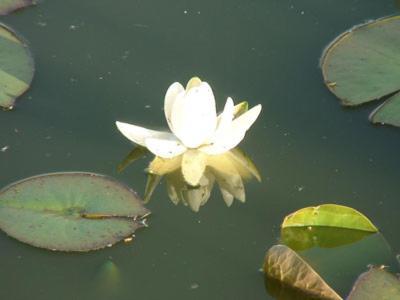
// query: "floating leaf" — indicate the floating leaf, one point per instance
point(361, 65)
point(375, 284)
point(8, 6)
point(302, 238)
point(16, 67)
point(388, 112)
point(283, 264)
point(330, 215)
point(70, 211)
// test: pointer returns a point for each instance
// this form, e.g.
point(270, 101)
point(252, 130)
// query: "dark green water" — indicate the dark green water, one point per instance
point(101, 61)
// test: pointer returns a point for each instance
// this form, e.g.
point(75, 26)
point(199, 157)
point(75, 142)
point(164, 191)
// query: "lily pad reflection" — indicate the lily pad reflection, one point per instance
point(302, 238)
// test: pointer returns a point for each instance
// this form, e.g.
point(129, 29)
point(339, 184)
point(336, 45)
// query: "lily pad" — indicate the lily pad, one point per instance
point(330, 215)
point(283, 264)
point(70, 211)
point(16, 67)
point(377, 283)
point(361, 65)
point(8, 6)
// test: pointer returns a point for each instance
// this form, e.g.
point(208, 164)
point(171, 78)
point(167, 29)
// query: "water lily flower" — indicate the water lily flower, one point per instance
point(194, 124)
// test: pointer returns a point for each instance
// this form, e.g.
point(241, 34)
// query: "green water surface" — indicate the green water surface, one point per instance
point(98, 61)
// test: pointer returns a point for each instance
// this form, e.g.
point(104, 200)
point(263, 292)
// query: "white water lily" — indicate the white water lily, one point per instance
point(194, 124)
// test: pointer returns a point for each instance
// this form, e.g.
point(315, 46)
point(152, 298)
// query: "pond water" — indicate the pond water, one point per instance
point(101, 61)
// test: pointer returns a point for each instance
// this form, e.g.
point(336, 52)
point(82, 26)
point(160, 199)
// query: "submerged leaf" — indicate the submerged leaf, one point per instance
point(361, 65)
point(70, 211)
point(108, 278)
point(16, 67)
point(283, 264)
point(330, 215)
point(375, 284)
point(8, 6)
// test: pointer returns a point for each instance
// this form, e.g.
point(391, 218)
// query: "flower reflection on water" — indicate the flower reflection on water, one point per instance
point(228, 170)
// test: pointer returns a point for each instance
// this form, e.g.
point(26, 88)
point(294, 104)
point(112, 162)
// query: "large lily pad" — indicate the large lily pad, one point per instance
point(361, 65)
point(375, 284)
point(70, 211)
point(330, 215)
point(283, 264)
point(8, 6)
point(16, 67)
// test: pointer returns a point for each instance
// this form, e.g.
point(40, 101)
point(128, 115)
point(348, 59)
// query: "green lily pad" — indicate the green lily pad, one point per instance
point(329, 215)
point(70, 211)
point(284, 265)
point(375, 284)
point(361, 65)
point(8, 6)
point(16, 67)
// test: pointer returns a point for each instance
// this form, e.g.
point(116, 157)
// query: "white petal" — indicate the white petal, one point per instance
point(138, 134)
point(166, 147)
point(164, 166)
point(194, 116)
point(226, 117)
point(170, 96)
point(233, 135)
point(193, 166)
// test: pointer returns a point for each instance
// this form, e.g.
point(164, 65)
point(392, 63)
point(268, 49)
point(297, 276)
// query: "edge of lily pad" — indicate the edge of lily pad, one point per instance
point(326, 51)
point(24, 43)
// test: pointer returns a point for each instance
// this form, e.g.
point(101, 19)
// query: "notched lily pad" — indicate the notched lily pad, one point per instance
point(329, 215)
point(375, 284)
point(16, 67)
point(286, 266)
point(8, 6)
point(361, 65)
point(70, 211)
